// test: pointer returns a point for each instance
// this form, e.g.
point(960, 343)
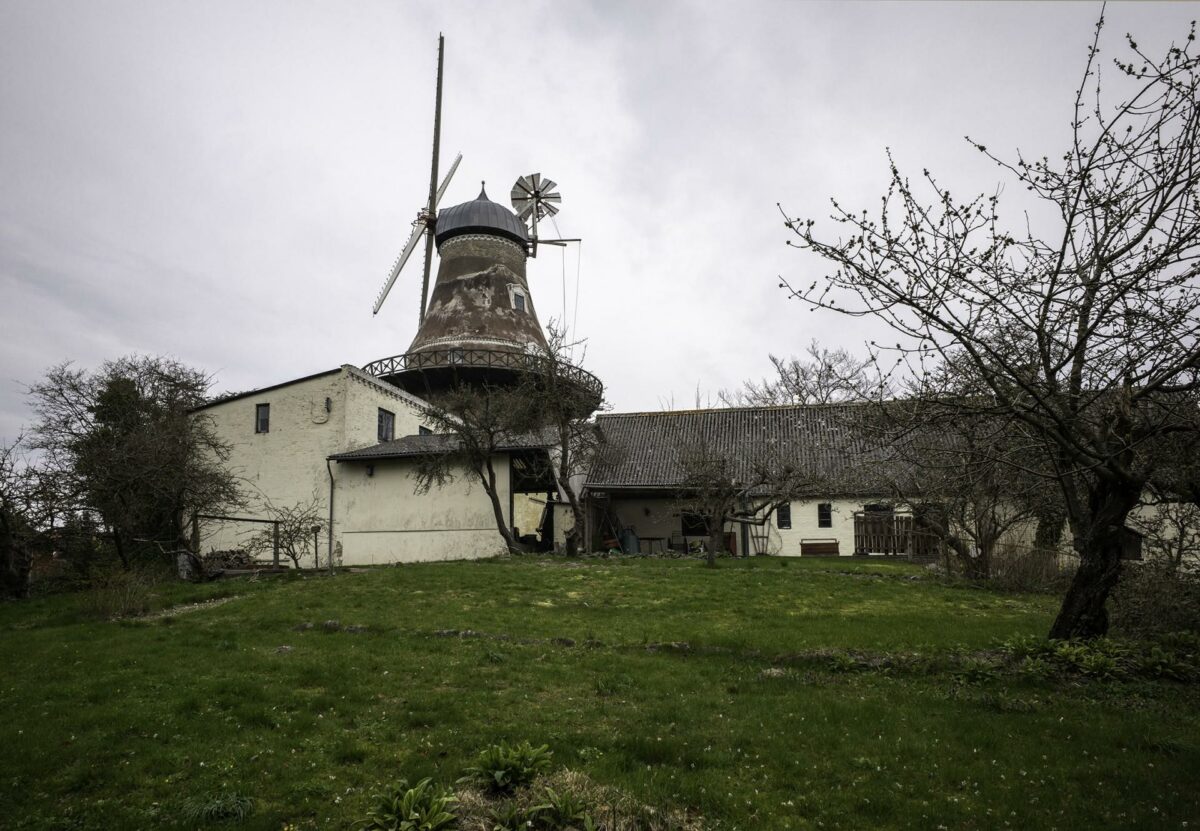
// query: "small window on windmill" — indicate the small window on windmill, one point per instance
point(519, 301)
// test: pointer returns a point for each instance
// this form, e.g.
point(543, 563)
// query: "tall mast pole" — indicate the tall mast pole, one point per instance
point(433, 182)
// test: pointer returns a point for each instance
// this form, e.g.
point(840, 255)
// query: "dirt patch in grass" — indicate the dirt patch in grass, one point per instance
point(184, 608)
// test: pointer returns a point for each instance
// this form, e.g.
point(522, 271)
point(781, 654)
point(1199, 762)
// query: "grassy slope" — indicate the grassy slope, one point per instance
point(111, 725)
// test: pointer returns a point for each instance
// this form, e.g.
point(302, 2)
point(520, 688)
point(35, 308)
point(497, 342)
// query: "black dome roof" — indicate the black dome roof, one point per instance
point(480, 216)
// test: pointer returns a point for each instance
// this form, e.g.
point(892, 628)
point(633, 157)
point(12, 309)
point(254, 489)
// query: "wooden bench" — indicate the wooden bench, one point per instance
point(819, 548)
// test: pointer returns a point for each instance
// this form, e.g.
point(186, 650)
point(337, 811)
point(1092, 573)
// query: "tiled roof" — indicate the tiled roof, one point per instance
point(430, 444)
point(825, 441)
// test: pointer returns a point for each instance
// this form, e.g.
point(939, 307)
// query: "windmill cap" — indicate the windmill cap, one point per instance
point(480, 216)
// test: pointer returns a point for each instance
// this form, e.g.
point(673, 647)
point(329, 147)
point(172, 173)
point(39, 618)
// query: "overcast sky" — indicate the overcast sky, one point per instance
point(229, 182)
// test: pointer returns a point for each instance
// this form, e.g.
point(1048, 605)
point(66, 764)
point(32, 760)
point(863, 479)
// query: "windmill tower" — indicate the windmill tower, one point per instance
point(478, 326)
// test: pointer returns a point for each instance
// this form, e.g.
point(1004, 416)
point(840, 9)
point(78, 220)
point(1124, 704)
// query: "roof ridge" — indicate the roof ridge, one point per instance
point(821, 405)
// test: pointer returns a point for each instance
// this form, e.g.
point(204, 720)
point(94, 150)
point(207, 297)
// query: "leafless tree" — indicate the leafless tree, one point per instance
point(969, 481)
point(19, 523)
point(124, 442)
point(477, 424)
point(1086, 332)
point(552, 398)
point(738, 482)
point(296, 537)
point(1170, 533)
point(825, 376)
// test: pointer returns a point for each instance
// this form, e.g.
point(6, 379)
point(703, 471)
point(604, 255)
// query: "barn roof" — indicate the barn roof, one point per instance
point(429, 444)
point(829, 442)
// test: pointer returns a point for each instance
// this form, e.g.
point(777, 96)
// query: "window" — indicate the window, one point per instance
point(783, 515)
point(387, 425)
point(424, 431)
point(262, 418)
point(824, 515)
point(519, 301)
point(693, 525)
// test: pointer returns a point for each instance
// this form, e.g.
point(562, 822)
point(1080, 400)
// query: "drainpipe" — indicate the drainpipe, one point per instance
point(329, 555)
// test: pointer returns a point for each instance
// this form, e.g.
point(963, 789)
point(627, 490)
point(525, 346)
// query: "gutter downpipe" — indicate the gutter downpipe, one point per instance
point(329, 555)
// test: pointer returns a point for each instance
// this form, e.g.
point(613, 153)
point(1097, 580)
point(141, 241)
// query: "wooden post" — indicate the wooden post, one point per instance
point(275, 540)
point(316, 538)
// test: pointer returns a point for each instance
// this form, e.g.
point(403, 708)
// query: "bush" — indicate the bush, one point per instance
point(423, 807)
point(1153, 598)
point(118, 594)
point(503, 768)
point(1026, 569)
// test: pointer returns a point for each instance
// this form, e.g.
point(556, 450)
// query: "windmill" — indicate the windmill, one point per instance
point(427, 216)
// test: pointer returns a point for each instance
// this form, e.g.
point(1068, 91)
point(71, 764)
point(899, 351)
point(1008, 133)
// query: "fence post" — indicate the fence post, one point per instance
point(275, 540)
point(316, 529)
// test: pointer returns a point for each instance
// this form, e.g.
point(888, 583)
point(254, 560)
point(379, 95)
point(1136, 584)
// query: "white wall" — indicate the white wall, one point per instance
point(660, 517)
point(383, 520)
point(285, 466)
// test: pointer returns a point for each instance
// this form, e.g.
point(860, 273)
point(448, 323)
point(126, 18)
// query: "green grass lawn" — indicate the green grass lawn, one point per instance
point(763, 694)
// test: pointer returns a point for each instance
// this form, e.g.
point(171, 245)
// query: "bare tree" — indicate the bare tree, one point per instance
point(295, 526)
point(968, 481)
point(476, 423)
point(19, 524)
point(1171, 533)
point(1086, 333)
point(738, 482)
point(123, 442)
point(556, 398)
point(825, 376)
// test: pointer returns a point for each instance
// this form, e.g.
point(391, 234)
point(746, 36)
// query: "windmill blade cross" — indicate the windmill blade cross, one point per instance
point(400, 261)
point(422, 225)
point(441, 191)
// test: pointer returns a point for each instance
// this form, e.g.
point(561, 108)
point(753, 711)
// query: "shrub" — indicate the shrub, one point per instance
point(503, 768)
point(218, 808)
point(1160, 663)
point(117, 594)
point(1027, 569)
point(423, 807)
point(1153, 598)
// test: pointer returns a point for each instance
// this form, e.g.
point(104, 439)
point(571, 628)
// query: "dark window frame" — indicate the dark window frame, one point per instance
point(388, 418)
point(519, 301)
point(783, 516)
point(424, 431)
point(262, 418)
point(824, 514)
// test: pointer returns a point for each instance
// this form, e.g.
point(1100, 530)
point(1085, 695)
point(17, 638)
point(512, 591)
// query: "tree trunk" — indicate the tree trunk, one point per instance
point(1050, 521)
point(119, 545)
point(1100, 542)
point(716, 538)
point(15, 562)
point(488, 477)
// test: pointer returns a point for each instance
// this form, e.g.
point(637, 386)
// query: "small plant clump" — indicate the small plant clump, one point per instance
point(218, 808)
point(502, 768)
point(423, 807)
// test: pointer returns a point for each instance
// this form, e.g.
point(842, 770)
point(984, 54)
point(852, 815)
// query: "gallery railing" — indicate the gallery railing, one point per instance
point(455, 357)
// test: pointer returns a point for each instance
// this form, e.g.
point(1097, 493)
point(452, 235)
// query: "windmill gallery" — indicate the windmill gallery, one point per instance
point(350, 442)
